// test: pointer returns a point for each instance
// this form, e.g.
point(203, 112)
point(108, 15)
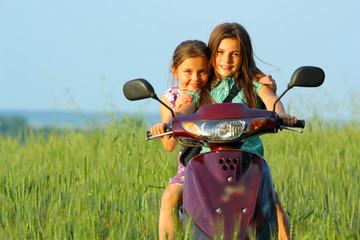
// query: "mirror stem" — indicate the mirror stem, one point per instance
point(157, 99)
point(277, 100)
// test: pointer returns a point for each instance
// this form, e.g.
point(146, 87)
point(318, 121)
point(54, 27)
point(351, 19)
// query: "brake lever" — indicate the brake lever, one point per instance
point(281, 127)
point(158, 135)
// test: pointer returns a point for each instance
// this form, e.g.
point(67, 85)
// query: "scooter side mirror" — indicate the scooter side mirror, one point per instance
point(138, 89)
point(307, 76)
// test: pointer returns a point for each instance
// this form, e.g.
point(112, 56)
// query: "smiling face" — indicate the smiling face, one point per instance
point(192, 74)
point(228, 58)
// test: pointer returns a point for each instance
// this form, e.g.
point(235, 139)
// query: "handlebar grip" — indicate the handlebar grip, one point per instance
point(168, 129)
point(300, 123)
point(148, 134)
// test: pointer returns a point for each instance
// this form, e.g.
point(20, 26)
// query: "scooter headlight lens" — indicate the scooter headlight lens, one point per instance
point(192, 128)
point(215, 130)
point(254, 124)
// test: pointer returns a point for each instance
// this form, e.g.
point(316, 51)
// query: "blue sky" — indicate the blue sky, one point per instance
point(76, 55)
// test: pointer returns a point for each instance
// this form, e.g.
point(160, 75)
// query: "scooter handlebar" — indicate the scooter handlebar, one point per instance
point(300, 123)
point(148, 134)
point(168, 131)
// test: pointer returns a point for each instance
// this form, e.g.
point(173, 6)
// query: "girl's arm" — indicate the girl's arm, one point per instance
point(268, 96)
point(168, 142)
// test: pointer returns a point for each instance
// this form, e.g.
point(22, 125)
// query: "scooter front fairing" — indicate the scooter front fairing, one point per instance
point(229, 193)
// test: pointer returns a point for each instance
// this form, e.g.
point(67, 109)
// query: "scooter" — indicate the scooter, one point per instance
point(228, 193)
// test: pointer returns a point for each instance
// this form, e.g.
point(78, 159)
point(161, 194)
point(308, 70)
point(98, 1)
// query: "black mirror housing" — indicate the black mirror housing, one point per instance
point(138, 89)
point(307, 76)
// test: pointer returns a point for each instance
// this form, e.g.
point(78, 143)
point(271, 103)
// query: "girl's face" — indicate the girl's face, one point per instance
point(192, 73)
point(228, 59)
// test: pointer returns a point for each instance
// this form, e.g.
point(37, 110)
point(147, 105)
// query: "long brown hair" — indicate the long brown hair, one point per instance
point(188, 49)
point(248, 71)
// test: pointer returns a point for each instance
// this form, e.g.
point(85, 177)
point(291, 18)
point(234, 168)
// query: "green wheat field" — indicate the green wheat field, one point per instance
point(107, 183)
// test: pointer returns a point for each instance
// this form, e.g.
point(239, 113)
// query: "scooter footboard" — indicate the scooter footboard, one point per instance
point(229, 193)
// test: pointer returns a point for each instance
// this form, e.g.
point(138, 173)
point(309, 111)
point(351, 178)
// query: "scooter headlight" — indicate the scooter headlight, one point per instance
point(215, 130)
point(223, 130)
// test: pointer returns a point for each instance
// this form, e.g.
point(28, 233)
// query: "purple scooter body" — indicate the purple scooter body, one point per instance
point(228, 192)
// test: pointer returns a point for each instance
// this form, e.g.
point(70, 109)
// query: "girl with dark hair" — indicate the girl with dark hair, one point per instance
point(190, 68)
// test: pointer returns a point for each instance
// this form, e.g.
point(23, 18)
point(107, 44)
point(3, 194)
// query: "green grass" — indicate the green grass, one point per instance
point(317, 177)
point(107, 184)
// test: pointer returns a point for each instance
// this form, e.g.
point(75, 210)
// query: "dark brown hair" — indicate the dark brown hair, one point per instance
point(188, 49)
point(248, 71)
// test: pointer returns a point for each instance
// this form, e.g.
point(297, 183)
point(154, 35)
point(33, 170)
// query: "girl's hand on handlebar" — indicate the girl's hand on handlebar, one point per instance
point(287, 119)
point(182, 99)
point(269, 81)
point(158, 128)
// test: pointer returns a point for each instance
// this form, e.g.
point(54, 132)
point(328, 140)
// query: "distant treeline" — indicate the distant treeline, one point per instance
point(18, 126)
point(12, 125)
